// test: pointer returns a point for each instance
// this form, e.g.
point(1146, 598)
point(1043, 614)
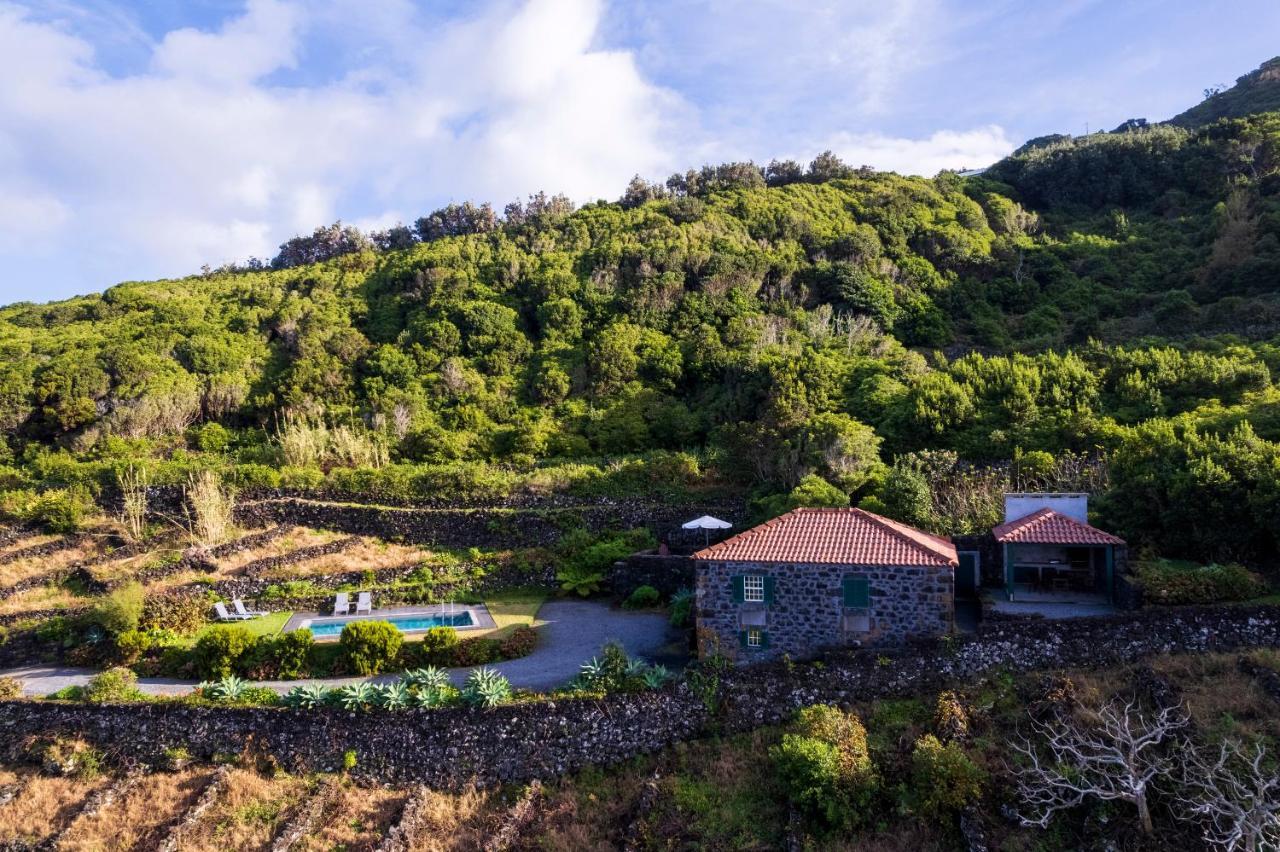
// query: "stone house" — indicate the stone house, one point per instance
point(820, 578)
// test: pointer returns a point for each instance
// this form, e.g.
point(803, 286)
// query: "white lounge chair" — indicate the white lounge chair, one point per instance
point(364, 603)
point(246, 613)
point(221, 609)
point(342, 604)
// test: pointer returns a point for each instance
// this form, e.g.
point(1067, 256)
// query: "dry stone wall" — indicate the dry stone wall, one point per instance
point(485, 527)
point(451, 748)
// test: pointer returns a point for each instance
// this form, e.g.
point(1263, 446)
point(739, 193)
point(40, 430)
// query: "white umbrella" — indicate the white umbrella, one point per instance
point(706, 523)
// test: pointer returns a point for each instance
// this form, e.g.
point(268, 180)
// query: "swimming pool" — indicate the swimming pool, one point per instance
point(403, 623)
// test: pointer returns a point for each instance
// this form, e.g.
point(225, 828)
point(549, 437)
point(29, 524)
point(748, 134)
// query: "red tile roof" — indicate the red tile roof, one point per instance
point(1045, 526)
point(834, 537)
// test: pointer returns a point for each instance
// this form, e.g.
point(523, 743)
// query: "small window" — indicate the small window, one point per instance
point(755, 638)
point(753, 588)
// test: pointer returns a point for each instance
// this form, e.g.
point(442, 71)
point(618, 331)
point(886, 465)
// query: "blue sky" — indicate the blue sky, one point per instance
point(141, 140)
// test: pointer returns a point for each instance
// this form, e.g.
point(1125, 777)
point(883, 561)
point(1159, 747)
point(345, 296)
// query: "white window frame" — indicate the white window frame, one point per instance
point(755, 638)
point(753, 588)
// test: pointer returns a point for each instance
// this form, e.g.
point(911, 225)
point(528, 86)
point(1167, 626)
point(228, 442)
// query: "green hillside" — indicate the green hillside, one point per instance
point(1101, 307)
point(1255, 92)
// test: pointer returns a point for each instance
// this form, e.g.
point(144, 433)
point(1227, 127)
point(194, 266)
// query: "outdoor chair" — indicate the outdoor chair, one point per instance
point(364, 603)
point(246, 613)
point(341, 604)
point(221, 609)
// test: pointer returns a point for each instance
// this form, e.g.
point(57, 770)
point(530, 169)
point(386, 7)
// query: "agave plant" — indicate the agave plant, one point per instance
point(229, 688)
point(356, 696)
point(636, 668)
point(590, 672)
point(486, 688)
point(394, 696)
point(655, 676)
point(307, 697)
point(428, 697)
point(430, 679)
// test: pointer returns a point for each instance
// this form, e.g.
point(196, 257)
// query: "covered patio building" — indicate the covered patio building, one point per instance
point(1050, 557)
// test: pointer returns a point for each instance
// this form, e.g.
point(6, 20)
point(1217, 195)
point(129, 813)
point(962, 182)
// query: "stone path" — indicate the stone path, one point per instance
point(574, 631)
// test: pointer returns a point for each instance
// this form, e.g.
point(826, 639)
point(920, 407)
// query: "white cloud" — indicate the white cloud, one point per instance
point(206, 156)
point(944, 149)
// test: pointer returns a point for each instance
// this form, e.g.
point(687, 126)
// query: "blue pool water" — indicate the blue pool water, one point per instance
point(404, 623)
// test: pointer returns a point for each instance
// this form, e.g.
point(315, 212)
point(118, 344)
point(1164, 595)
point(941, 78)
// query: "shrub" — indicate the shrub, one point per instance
point(583, 582)
point(825, 767)
point(950, 718)
point(356, 696)
point(368, 646)
point(943, 778)
point(486, 688)
point(113, 686)
point(682, 608)
point(438, 644)
point(643, 597)
point(120, 611)
point(1173, 583)
point(59, 511)
point(9, 688)
point(520, 643)
point(219, 651)
point(475, 652)
point(284, 656)
point(181, 613)
point(131, 645)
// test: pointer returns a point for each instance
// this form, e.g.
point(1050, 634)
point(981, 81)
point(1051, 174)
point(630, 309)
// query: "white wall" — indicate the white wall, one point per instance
point(1075, 506)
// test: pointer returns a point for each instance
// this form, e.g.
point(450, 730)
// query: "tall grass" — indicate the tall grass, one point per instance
point(210, 506)
point(133, 484)
point(306, 442)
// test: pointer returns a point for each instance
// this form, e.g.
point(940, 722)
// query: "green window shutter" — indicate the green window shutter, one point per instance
point(768, 590)
point(737, 593)
point(742, 638)
point(764, 639)
point(857, 592)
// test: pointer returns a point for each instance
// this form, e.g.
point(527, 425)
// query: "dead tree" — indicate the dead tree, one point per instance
point(1236, 796)
point(1112, 754)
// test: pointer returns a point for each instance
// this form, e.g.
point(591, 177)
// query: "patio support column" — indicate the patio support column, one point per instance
point(1111, 564)
point(1008, 570)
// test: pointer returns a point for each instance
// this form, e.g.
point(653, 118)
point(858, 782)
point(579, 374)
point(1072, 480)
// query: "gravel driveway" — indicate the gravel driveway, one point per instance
point(573, 632)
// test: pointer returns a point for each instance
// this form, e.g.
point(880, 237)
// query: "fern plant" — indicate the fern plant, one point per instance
point(486, 688)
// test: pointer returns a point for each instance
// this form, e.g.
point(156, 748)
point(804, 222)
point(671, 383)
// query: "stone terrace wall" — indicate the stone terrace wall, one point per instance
point(667, 574)
point(486, 527)
point(451, 748)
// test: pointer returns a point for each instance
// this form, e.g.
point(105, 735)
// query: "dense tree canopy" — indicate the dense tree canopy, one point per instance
point(1106, 296)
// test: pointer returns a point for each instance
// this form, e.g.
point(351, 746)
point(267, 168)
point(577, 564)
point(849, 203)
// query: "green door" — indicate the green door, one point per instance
point(968, 575)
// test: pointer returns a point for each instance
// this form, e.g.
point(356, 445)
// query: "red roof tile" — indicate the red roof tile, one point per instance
point(834, 537)
point(1045, 526)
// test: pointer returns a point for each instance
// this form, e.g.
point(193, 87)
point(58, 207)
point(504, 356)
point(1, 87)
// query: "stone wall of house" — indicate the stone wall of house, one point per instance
point(451, 748)
point(808, 614)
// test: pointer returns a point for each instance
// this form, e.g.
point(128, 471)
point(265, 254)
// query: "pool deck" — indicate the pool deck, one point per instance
point(480, 617)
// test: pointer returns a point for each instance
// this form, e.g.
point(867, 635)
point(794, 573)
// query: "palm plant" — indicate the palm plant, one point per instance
point(356, 696)
point(394, 696)
point(486, 688)
point(307, 697)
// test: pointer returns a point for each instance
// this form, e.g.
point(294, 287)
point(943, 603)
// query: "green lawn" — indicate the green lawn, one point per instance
point(267, 625)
